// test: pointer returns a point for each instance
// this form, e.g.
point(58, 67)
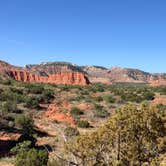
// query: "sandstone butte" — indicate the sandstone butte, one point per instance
point(71, 78)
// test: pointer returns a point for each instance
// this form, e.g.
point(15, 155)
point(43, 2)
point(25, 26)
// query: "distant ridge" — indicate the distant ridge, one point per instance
point(93, 74)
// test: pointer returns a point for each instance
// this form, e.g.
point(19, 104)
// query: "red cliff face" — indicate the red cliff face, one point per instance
point(73, 78)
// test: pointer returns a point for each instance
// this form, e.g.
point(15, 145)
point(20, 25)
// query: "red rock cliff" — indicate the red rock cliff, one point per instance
point(73, 78)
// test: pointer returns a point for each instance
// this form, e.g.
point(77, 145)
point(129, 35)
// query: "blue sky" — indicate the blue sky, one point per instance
point(126, 33)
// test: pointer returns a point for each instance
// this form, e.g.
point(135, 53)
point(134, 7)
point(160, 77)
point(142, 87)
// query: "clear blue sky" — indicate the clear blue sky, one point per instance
point(126, 33)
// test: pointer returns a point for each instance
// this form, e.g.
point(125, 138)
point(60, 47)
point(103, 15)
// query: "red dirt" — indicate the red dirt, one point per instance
point(160, 100)
point(54, 113)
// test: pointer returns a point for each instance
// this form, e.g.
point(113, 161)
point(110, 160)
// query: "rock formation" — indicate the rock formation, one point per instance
point(118, 74)
point(68, 73)
point(73, 78)
point(22, 74)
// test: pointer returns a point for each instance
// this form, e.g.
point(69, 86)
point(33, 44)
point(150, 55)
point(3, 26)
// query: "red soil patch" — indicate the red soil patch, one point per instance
point(158, 83)
point(66, 104)
point(54, 113)
point(84, 106)
point(160, 100)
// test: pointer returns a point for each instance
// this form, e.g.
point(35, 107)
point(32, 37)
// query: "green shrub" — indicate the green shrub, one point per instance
point(8, 107)
point(34, 88)
point(76, 111)
point(32, 157)
point(6, 82)
point(98, 107)
point(32, 102)
point(148, 95)
point(71, 131)
point(109, 99)
point(48, 94)
point(21, 147)
point(83, 123)
point(101, 113)
point(98, 98)
point(25, 123)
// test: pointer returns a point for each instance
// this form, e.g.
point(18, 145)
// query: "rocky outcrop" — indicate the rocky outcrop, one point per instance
point(47, 68)
point(73, 78)
point(118, 74)
point(68, 73)
point(24, 75)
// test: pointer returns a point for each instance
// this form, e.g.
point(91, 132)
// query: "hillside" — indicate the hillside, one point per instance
point(53, 116)
point(68, 73)
point(99, 74)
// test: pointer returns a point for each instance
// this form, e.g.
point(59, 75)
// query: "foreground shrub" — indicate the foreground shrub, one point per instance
point(21, 147)
point(32, 157)
point(25, 123)
point(76, 111)
point(132, 136)
point(83, 123)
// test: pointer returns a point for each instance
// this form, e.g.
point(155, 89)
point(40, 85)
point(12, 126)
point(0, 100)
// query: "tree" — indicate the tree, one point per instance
point(8, 107)
point(21, 147)
point(132, 136)
point(25, 123)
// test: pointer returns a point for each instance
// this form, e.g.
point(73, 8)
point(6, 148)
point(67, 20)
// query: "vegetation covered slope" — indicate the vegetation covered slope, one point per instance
point(81, 125)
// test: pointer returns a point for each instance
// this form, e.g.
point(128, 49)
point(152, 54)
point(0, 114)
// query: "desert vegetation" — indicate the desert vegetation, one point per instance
point(98, 124)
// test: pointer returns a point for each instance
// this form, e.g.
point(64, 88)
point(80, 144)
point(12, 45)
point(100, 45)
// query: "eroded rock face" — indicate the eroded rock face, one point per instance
point(68, 73)
point(73, 78)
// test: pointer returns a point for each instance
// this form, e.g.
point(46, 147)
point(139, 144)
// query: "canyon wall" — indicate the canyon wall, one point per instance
point(72, 78)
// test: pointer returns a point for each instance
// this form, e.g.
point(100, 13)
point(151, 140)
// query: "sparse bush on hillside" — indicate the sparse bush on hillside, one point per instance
point(11, 94)
point(160, 89)
point(25, 123)
point(6, 81)
point(32, 157)
point(21, 147)
point(100, 113)
point(48, 94)
point(83, 123)
point(34, 88)
point(76, 111)
point(8, 107)
point(98, 107)
point(32, 102)
point(71, 132)
point(109, 99)
point(98, 98)
point(79, 98)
